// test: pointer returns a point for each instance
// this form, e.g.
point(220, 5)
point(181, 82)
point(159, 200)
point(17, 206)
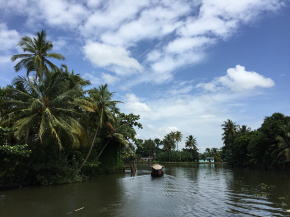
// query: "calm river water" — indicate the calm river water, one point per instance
point(204, 190)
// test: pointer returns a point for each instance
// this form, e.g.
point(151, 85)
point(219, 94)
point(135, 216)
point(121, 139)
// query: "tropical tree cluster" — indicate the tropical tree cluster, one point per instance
point(267, 147)
point(166, 149)
point(53, 127)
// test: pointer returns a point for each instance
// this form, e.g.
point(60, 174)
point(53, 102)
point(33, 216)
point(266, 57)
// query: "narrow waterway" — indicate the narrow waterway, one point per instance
point(204, 190)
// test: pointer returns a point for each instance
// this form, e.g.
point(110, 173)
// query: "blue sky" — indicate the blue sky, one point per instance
point(182, 65)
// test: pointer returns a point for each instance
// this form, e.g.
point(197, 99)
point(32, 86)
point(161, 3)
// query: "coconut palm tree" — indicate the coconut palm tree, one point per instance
point(243, 129)
point(177, 137)
point(191, 143)
point(103, 110)
point(208, 152)
point(158, 143)
point(36, 55)
point(230, 133)
point(230, 130)
point(48, 109)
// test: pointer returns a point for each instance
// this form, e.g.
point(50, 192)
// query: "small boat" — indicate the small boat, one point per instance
point(157, 170)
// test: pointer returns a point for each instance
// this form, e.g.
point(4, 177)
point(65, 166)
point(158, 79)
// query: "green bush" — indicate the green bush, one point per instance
point(91, 169)
point(13, 164)
point(55, 168)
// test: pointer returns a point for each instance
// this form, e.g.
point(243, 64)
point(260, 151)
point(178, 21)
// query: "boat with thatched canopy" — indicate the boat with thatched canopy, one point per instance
point(157, 170)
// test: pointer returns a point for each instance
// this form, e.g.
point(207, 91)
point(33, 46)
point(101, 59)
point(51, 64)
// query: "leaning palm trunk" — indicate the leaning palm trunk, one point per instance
point(105, 146)
point(103, 149)
point(90, 151)
point(27, 136)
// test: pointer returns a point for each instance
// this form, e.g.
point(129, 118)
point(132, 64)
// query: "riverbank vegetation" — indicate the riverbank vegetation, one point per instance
point(267, 147)
point(54, 128)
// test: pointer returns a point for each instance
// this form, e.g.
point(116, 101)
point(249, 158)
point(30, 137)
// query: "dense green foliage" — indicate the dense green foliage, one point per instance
point(266, 147)
point(11, 163)
point(53, 127)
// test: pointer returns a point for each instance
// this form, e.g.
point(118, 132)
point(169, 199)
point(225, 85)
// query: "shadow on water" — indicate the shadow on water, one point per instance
point(204, 190)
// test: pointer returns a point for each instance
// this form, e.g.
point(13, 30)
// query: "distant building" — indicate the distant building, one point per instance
point(207, 160)
point(147, 159)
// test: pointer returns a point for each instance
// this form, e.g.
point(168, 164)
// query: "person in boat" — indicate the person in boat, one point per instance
point(157, 170)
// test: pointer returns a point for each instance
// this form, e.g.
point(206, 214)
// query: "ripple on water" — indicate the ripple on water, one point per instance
point(252, 205)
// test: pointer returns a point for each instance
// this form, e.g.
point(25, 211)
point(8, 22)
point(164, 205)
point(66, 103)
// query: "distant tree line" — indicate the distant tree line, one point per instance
point(166, 149)
point(266, 147)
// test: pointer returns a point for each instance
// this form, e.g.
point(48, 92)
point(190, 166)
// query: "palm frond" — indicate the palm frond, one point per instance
point(23, 125)
point(18, 56)
point(56, 56)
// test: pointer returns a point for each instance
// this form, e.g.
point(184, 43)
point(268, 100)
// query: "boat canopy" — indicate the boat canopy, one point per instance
point(157, 166)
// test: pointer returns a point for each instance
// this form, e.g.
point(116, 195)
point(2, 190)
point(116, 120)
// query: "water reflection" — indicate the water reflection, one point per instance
point(99, 198)
point(259, 193)
point(204, 190)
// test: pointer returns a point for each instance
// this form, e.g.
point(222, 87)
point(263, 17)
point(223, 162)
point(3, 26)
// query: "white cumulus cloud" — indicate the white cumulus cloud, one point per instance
point(104, 55)
point(92, 78)
point(180, 45)
point(238, 79)
point(109, 79)
point(135, 105)
point(62, 13)
point(8, 37)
